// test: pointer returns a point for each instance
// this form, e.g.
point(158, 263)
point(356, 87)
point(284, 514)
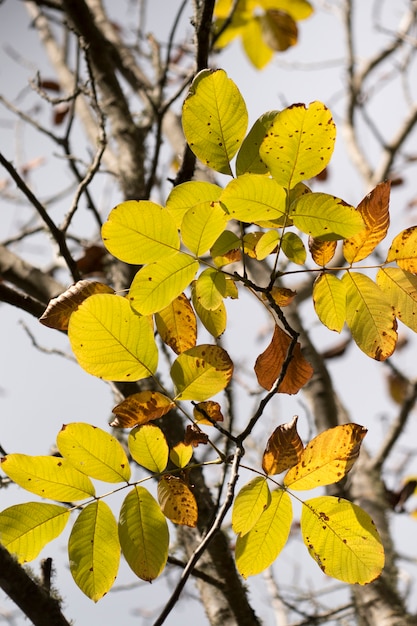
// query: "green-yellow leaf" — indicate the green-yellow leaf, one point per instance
point(202, 225)
point(248, 159)
point(177, 501)
point(156, 285)
point(370, 316)
point(400, 289)
point(188, 195)
point(111, 341)
point(299, 143)
point(94, 452)
point(254, 198)
point(141, 408)
point(177, 324)
point(342, 539)
point(249, 504)
point(181, 454)
point(257, 49)
point(48, 476)
point(214, 321)
point(403, 250)
point(200, 373)
point(140, 232)
point(210, 289)
point(94, 550)
point(214, 119)
point(226, 249)
point(26, 528)
point(329, 297)
point(259, 548)
point(327, 458)
point(293, 248)
point(148, 446)
point(374, 210)
point(324, 216)
point(143, 534)
point(267, 244)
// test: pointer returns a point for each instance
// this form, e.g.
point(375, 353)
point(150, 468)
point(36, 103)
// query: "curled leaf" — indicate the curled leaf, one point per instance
point(284, 448)
point(141, 408)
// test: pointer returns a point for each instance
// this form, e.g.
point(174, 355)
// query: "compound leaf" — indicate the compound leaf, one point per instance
point(94, 452)
point(25, 529)
point(111, 341)
point(94, 550)
point(342, 539)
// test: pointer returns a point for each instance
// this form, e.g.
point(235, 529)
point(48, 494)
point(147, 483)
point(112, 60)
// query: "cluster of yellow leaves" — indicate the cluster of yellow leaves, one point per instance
point(265, 26)
point(339, 535)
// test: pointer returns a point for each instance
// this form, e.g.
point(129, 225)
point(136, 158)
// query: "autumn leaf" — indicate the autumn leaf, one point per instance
point(141, 408)
point(207, 412)
point(177, 501)
point(403, 250)
point(284, 448)
point(201, 372)
point(269, 364)
point(177, 324)
point(321, 251)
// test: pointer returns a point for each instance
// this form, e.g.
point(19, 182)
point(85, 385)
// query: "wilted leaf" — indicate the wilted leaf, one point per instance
point(259, 548)
point(269, 364)
point(299, 143)
point(48, 476)
point(111, 341)
point(342, 539)
point(59, 310)
point(214, 119)
point(25, 529)
point(177, 501)
point(403, 250)
point(207, 412)
point(279, 30)
point(94, 550)
point(177, 324)
point(327, 458)
point(284, 448)
point(249, 504)
point(321, 251)
point(201, 372)
point(370, 316)
point(143, 534)
point(329, 298)
point(374, 210)
point(148, 447)
point(282, 296)
point(92, 260)
point(194, 436)
point(94, 452)
point(141, 408)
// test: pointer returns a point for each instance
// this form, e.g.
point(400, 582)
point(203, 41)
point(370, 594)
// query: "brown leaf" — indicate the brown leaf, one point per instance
point(92, 260)
point(141, 408)
point(269, 365)
point(59, 309)
point(50, 85)
point(208, 412)
point(194, 436)
point(177, 501)
point(282, 296)
point(284, 448)
point(60, 113)
point(279, 30)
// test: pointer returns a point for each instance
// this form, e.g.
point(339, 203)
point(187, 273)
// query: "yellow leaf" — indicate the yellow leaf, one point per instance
point(321, 251)
point(177, 501)
point(282, 296)
point(342, 539)
point(374, 210)
point(226, 249)
point(187, 195)
point(177, 324)
point(202, 225)
point(59, 310)
point(249, 504)
point(111, 341)
point(329, 297)
point(254, 44)
point(284, 448)
point(400, 289)
point(210, 289)
point(214, 119)
point(269, 364)
point(48, 476)
point(156, 285)
point(298, 9)
point(141, 408)
point(369, 316)
point(201, 372)
point(181, 454)
point(207, 413)
point(325, 216)
point(299, 143)
point(248, 159)
point(140, 232)
point(254, 198)
point(403, 250)
point(327, 458)
point(214, 321)
point(25, 529)
point(266, 244)
point(148, 446)
point(94, 452)
point(259, 548)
